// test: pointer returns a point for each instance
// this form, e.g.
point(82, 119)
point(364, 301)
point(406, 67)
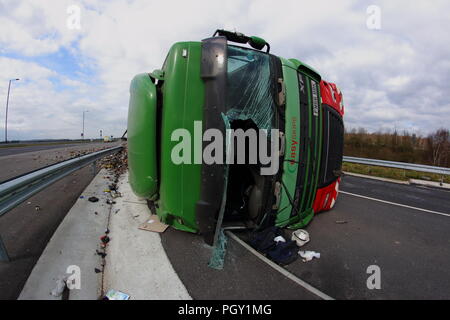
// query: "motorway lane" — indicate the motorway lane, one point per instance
point(37, 147)
point(413, 195)
point(244, 276)
point(411, 247)
point(17, 164)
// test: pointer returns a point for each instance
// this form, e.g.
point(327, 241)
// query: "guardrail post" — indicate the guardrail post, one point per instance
point(3, 253)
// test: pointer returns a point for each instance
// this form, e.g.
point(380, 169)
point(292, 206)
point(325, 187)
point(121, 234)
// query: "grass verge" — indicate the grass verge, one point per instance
point(392, 173)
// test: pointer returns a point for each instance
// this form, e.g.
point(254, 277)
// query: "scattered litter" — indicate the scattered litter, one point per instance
point(101, 254)
point(284, 253)
point(154, 226)
point(105, 239)
point(115, 194)
point(97, 270)
point(96, 213)
point(341, 222)
point(109, 201)
point(136, 216)
point(106, 191)
point(81, 197)
point(263, 241)
point(218, 256)
point(93, 199)
point(28, 202)
point(37, 208)
point(60, 286)
point(309, 255)
point(301, 237)
point(279, 239)
point(106, 231)
point(117, 210)
point(116, 295)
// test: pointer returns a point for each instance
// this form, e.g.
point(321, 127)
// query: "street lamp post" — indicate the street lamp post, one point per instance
point(6, 114)
point(82, 134)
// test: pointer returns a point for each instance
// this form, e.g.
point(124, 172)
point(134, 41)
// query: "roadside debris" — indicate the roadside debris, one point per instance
point(270, 242)
point(154, 225)
point(341, 222)
point(279, 239)
point(309, 255)
point(301, 237)
point(93, 199)
point(116, 295)
point(60, 286)
point(37, 208)
point(97, 270)
point(101, 254)
point(116, 163)
point(218, 256)
point(283, 253)
point(105, 239)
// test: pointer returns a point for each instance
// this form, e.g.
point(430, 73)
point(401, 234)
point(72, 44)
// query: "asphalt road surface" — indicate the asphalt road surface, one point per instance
point(25, 230)
point(411, 248)
point(5, 151)
point(402, 229)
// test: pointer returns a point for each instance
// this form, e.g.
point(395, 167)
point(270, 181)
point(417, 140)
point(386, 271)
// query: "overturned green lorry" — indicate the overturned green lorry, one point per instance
point(209, 88)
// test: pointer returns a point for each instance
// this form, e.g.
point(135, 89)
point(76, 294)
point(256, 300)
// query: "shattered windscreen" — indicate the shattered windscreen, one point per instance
point(249, 87)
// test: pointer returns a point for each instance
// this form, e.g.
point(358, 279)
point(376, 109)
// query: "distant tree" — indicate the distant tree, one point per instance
point(438, 147)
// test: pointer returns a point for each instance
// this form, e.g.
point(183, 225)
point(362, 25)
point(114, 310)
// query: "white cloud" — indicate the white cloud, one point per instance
point(396, 76)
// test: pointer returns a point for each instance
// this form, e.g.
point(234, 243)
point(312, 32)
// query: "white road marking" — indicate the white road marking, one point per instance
point(396, 204)
point(283, 271)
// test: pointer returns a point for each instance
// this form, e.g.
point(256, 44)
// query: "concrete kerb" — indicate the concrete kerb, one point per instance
point(74, 244)
point(136, 262)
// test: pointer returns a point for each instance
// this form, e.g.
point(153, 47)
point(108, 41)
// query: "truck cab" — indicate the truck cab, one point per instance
point(332, 149)
point(205, 92)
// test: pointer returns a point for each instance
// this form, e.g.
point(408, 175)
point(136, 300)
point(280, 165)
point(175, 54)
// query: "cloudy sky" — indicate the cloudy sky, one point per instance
point(394, 77)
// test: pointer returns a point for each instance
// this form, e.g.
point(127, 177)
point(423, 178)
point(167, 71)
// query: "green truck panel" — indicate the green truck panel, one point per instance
point(142, 137)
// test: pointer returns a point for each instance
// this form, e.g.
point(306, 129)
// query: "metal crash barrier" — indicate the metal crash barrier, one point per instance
point(398, 165)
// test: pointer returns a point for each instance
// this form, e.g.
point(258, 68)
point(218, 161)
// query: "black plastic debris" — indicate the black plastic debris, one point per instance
point(101, 254)
point(263, 241)
point(93, 199)
point(97, 270)
point(283, 253)
point(280, 252)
